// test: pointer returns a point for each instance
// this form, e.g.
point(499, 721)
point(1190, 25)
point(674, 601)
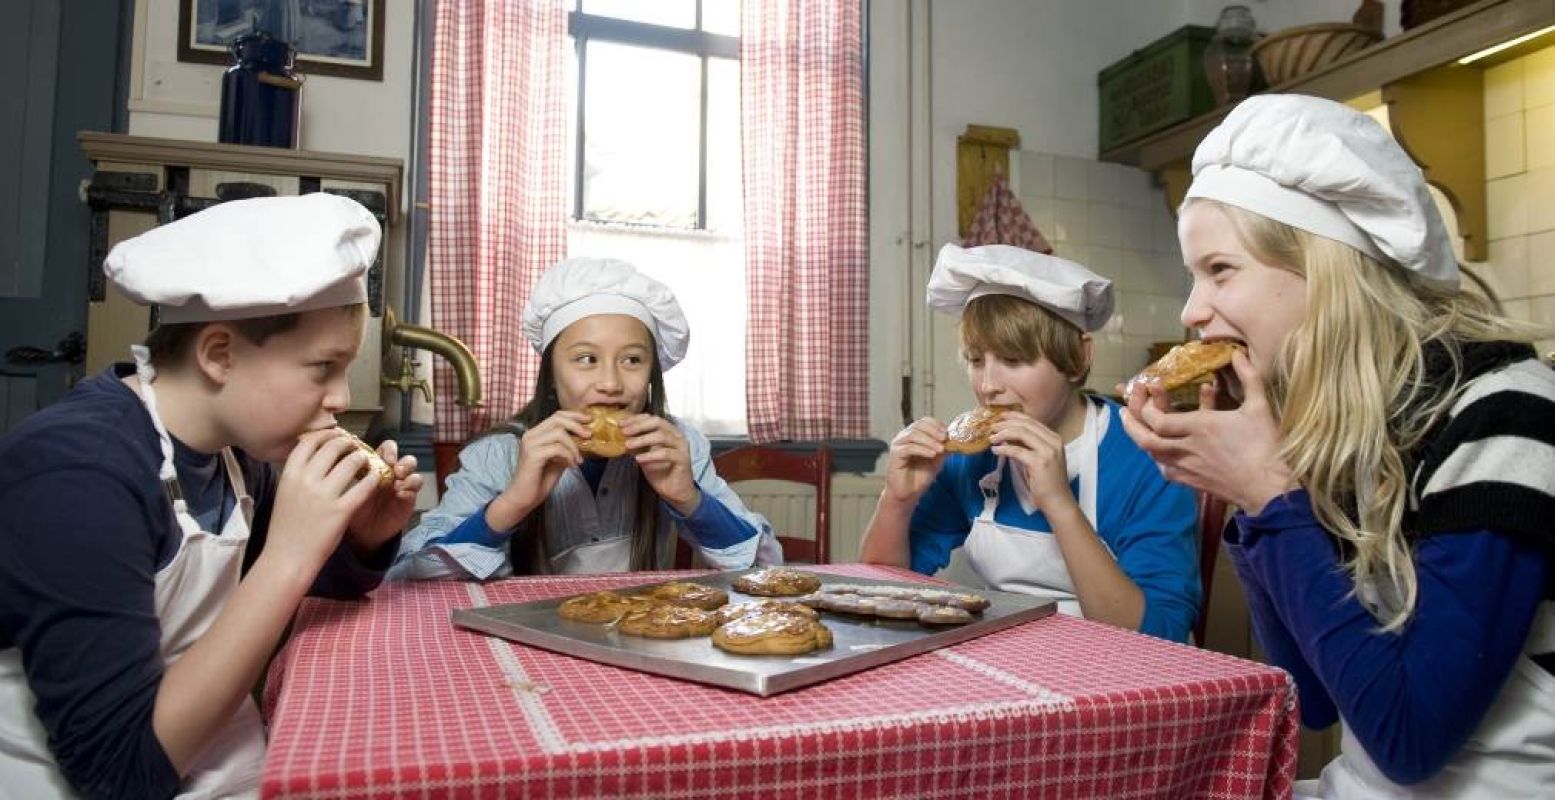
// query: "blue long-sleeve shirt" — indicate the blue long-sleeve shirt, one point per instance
point(1481, 497)
point(1412, 697)
point(1146, 521)
point(84, 528)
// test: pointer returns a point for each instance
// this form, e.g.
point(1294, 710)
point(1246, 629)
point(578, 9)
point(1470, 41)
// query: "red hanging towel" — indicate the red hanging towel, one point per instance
point(1001, 220)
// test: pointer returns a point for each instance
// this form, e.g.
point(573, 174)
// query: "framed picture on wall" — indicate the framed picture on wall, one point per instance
point(343, 38)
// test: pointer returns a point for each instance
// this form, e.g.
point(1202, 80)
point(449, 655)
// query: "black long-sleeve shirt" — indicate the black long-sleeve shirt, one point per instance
point(84, 528)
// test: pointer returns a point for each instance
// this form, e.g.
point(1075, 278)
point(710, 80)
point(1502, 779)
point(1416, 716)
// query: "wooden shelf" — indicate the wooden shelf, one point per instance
point(1438, 42)
point(247, 158)
point(1435, 106)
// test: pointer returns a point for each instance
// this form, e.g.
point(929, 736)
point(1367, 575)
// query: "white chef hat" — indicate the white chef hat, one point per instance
point(575, 288)
point(242, 259)
point(963, 274)
point(1328, 169)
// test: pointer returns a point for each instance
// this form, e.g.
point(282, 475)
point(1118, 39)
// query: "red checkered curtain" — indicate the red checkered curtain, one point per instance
point(806, 228)
point(497, 181)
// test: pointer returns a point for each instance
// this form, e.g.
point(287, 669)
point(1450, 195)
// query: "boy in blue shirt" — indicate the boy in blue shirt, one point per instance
point(1063, 505)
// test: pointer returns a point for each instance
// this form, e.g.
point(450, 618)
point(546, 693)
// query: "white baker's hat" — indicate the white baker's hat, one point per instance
point(575, 288)
point(259, 257)
point(1328, 169)
point(1071, 291)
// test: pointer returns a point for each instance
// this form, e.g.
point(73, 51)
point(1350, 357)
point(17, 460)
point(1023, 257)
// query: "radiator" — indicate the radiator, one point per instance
point(791, 508)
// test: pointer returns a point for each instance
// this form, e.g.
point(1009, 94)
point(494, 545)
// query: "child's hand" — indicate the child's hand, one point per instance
point(1038, 452)
point(384, 514)
point(1232, 454)
point(546, 451)
point(915, 458)
point(664, 457)
point(318, 495)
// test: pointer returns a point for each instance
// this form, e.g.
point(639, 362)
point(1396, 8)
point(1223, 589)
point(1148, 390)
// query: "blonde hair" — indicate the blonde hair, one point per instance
point(1351, 392)
point(1021, 330)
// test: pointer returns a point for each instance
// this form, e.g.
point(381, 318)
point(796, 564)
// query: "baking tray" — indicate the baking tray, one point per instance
point(858, 642)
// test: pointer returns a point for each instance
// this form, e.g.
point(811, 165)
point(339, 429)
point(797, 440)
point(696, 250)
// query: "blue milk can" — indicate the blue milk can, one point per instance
point(261, 97)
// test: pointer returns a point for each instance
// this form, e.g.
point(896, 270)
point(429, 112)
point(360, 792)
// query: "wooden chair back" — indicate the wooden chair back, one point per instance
point(1212, 523)
point(758, 462)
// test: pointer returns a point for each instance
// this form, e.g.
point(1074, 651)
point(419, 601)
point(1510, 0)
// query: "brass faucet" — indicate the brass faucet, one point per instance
point(407, 381)
point(466, 372)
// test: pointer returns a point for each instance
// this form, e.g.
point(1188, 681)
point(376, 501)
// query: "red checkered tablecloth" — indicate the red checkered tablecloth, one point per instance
point(386, 698)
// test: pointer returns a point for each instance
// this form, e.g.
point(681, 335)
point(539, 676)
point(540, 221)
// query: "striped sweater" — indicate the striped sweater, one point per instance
point(1491, 464)
point(1482, 502)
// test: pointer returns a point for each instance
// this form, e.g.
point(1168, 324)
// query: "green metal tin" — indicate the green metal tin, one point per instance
point(1155, 87)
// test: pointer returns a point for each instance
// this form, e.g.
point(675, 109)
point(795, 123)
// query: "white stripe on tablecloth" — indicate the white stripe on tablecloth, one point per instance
point(529, 701)
point(1042, 693)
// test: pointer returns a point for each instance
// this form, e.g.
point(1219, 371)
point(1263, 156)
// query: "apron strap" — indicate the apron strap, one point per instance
point(146, 373)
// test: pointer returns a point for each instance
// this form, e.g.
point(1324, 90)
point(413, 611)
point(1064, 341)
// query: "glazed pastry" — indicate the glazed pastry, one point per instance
point(375, 462)
point(776, 582)
point(1188, 363)
point(894, 608)
point(850, 604)
point(606, 439)
point(691, 595)
point(668, 622)
point(931, 614)
point(601, 607)
point(971, 602)
point(733, 612)
point(772, 634)
point(970, 432)
point(974, 603)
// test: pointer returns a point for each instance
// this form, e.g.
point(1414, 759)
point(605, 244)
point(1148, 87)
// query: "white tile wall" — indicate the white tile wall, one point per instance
point(1111, 219)
point(1520, 170)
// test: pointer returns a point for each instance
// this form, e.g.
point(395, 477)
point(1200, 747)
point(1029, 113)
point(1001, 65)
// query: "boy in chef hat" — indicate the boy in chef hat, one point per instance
point(1392, 457)
point(1063, 505)
point(131, 509)
point(537, 495)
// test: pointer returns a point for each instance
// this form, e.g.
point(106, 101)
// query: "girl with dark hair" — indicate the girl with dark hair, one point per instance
point(528, 499)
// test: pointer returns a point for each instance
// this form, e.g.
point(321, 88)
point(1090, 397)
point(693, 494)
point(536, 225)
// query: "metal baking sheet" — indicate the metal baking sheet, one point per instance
point(858, 642)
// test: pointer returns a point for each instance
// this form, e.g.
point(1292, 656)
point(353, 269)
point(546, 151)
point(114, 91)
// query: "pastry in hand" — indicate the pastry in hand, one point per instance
point(606, 439)
point(777, 634)
point(971, 432)
point(668, 622)
point(776, 582)
point(1184, 365)
point(690, 595)
point(375, 463)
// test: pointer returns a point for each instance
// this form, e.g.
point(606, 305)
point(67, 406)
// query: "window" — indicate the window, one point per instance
point(655, 156)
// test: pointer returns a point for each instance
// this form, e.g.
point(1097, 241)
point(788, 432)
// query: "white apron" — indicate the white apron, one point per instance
point(190, 591)
point(1013, 559)
point(614, 553)
point(1510, 755)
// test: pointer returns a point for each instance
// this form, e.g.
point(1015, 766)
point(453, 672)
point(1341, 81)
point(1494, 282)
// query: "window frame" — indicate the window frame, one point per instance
point(583, 27)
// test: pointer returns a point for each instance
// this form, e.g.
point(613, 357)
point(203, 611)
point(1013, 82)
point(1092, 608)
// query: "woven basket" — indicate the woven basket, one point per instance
point(1293, 52)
